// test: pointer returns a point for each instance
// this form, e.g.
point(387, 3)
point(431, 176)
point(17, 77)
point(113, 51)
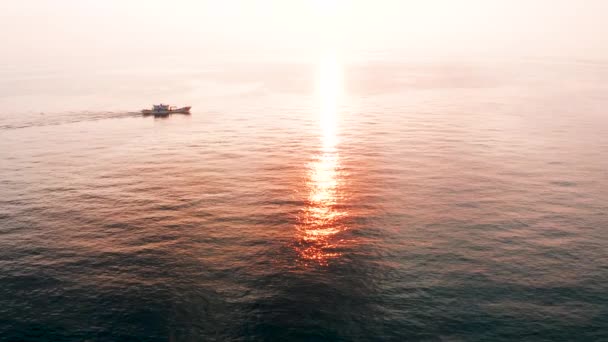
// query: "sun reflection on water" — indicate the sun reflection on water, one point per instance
point(321, 220)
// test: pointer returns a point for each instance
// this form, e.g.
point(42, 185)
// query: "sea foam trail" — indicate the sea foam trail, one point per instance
point(53, 119)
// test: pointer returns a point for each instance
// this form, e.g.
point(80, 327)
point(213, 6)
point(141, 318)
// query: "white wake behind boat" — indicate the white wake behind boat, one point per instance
point(163, 109)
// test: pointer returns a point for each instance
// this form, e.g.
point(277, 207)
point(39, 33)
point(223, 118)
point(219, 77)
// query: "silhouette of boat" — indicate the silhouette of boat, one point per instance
point(163, 109)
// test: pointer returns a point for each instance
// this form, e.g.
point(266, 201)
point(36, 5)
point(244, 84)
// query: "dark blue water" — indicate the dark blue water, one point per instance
point(349, 203)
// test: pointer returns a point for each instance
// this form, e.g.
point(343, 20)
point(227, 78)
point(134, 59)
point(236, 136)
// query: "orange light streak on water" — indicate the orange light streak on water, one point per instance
point(320, 221)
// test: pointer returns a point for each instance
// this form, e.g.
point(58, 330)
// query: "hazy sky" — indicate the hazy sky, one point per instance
point(50, 30)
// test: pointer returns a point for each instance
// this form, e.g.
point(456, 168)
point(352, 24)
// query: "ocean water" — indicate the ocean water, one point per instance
point(307, 202)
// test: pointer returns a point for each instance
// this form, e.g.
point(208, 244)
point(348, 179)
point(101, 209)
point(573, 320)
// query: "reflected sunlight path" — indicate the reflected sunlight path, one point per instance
point(320, 221)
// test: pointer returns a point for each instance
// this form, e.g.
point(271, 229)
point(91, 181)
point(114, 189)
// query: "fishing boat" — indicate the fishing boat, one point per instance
point(163, 109)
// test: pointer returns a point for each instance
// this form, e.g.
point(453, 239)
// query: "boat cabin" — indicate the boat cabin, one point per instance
point(162, 108)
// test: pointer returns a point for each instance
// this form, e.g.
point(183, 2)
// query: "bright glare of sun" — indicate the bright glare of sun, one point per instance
point(330, 90)
point(327, 7)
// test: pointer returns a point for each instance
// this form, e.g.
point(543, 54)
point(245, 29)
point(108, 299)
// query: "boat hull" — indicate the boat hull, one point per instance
point(183, 110)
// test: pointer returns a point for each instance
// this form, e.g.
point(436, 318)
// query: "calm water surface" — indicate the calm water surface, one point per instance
point(388, 201)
